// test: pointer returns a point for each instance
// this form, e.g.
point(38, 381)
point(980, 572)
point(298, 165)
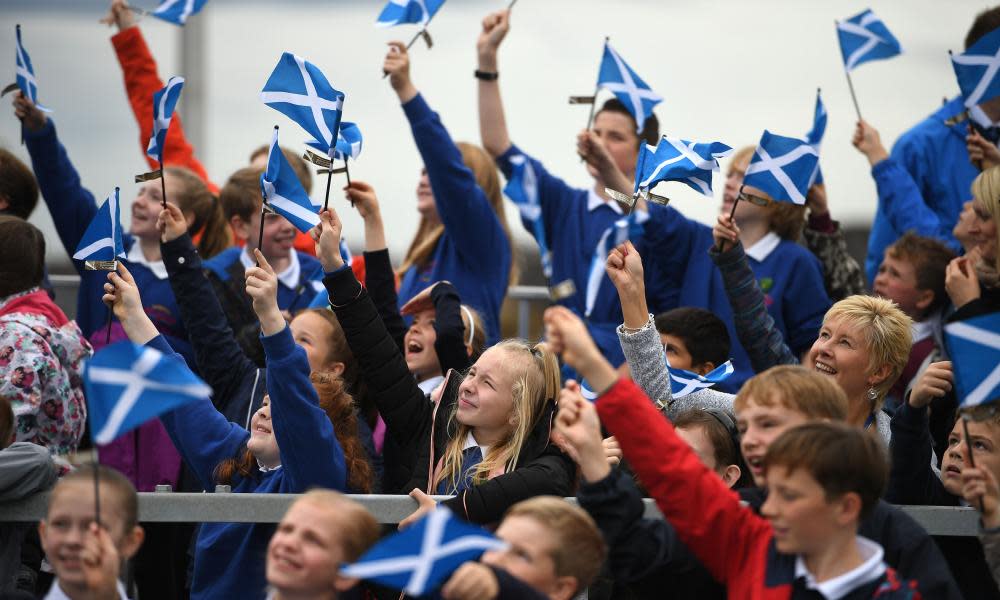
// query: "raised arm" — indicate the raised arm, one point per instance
point(449, 329)
point(842, 275)
point(492, 122)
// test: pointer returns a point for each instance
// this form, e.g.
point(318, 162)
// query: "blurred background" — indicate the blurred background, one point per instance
point(727, 69)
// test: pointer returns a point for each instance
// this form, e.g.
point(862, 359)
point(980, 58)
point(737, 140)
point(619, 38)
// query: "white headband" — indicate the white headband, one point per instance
point(472, 324)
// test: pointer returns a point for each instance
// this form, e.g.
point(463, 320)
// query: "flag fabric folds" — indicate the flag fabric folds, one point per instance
point(684, 382)
point(864, 37)
point(283, 192)
point(25, 73)
point(164, 102)
point(679, 160)
point(974, 348)
point(625, 228)
point(422, 556)
point(178, 11)
point(815, 135)
point(976, 70)
point(782, 167)
point(522, 188)
point(348, 142)
point(128, 385)
point(401, 12)
point(102, 241)
point(616, 76)
point(299, 90)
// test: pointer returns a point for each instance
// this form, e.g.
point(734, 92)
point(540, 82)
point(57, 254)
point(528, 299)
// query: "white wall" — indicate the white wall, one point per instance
point(726, 68)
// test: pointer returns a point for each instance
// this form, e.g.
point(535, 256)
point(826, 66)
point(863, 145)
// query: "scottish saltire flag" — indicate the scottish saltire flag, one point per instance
point(619, 78)
point(684, 382)
point(522, 188)
point(299, 90)
point(348, 142)
point(25, 72)
point(625, 228)
point(679, 160)
point(976, 70)
point(164, 102)
point(283, 192)
point(782, 167)
point(103, 238)
point(421, 557)
point(815, 136)
point(178, 11)
point(128, 384)
point(865, 37)
point(974, 348)
point(400, 12)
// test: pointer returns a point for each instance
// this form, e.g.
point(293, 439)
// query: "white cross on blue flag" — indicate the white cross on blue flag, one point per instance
point(865, 37)
point(178, 11)
point(974, 348)
point(164, 102)
point(522, 188)
point(348, 142)
point(682, 383)
point(400, 12)
point(616, 76)
point(26, 73)
point(299, 89)
point(128, 384)
point(102, 241)
point(419, 558)
point(976, 70)
point(283, 192)
point(815, 136)
point(782, 167)
point(679, 160)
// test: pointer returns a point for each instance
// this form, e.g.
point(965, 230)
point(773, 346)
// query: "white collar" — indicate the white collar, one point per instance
point(763, 247)
point(979, 116)
point(920, 330)
point(595, 201)
point(289, 277)
point(264, 469)
point(834, 589)
point(135, 256)
point(470, 442)
point(427, 386)
point(56, 592)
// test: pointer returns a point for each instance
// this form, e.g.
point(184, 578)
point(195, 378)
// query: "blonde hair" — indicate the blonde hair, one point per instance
point(536, 383)
point(358, 528)
point(986, 189)
point(795, 388)
point(428, 234)
point(785, 219)
point(886, 331)
point(578, 549)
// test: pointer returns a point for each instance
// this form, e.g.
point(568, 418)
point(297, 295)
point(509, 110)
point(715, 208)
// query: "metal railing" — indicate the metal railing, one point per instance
point(178, 507)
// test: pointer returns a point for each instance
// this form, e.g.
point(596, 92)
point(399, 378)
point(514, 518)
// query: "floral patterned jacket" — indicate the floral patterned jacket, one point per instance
point(41, 356)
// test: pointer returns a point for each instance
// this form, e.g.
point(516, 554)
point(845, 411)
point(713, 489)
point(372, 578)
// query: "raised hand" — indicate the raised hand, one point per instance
point(936, 381)
point(567, 335)
point(979, 488)
point(593, 151)
point(121, 294)
point(624, 268)
point(579, 431)
point(983, 153)
point(99, 562)
point(362, 196)
point(397, 65)
point(262, 287)
point(326, 236)
point(171, 223)
point(120, 15)
point(961, 280)
point(867, 140)
point(421, 302)
point(33, 118)
point(725, 231)
point(816, 200)
point(495, 28)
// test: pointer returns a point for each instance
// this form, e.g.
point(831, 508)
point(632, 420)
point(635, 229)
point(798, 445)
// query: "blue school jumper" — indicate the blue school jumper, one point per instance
point(473, 253)
point(229, 557)
point(574, 220)
point(788, 274)
point(935, 156)
point(297, 284)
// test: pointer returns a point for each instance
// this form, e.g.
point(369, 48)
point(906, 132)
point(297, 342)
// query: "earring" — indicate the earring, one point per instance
point(872, 394)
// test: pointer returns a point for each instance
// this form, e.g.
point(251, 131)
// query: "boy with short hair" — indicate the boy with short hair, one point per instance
point(695, 339)
point(86, 556)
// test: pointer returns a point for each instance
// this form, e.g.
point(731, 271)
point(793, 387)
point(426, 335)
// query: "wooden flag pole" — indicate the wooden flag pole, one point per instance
point(163, 175)
point(850, 86)
point(722, 243)
point(329, 176)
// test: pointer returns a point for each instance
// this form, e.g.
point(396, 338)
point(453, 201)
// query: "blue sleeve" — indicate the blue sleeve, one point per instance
point(805, 302)
point(200, 433)
point(462, 205)
point(666, 245)
point(901, 202)
point(310, 453)
point(72, 206)
point(554, 194)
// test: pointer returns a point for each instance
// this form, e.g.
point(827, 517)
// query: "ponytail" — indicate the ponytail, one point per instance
point(209, 222)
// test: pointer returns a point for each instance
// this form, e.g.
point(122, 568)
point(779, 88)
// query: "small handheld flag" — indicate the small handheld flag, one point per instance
point(299, 90)
point(974, 347)
point(283, 192)
point(679, 160)
point(348, 145)
point(418, 12)
point(815, 135)
point(164, 102)
point(102, 243)
point(522, 188)
point(782, 167)
point(178, 11)
point(864, 37)
point(25, 73)
point(976, 70)
point(682, 382)
point(128, 385)
point(421, 557)
point(616, 76)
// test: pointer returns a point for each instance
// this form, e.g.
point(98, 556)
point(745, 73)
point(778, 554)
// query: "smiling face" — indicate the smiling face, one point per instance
point(147, 206)
point(313, 333)
point(262, 442)
point(425, 198)
point(279, 235)
point(983, 230)
point(897, 281)
point(841, 352)
point(304, 556)
point(759, 425)
point(485, 402)
point(529, 557)
point(985, 453)
point(617, 132)
point(418, 344)
point(802, 517)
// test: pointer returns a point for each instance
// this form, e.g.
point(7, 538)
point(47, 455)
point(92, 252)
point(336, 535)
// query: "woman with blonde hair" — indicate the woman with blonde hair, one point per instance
point(973, 280)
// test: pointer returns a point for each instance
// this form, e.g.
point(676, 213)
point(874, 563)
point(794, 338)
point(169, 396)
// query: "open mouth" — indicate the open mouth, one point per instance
point(825, 368)
point(756, 463)
point(261, 430)
point(952, 471)
point(414, 347)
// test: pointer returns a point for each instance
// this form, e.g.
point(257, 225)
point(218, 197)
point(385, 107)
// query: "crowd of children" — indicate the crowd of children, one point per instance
point(333, 375)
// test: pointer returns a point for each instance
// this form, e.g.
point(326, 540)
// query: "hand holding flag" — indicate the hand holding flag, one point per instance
point(725, 230)
point(283, 192)
point(102, 243)
point(262, 287)
point(121, 295)
point(495, 28)
point(397, 67)
point(178, 11)
point(326, 235)
point(32, 117)
point(171, 223)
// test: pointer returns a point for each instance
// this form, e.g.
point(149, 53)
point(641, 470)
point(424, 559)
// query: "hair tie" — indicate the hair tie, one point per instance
point(472, 324)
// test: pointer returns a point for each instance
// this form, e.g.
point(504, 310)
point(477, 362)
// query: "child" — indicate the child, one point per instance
point(321, 531)
point(912, 481)
point(485, 438)
point(980, 489)
point(555, 548)
point(87, 556)
point(18, 188)
point(41, 351)
point(287, 450)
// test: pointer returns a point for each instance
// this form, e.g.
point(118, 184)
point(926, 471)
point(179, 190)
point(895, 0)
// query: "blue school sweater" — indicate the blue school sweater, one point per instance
point(229, 557)
point(935, 156)
point(290, 297)
point(790, 277)
point(73, 207)
point(574, 220)
point(473, 253)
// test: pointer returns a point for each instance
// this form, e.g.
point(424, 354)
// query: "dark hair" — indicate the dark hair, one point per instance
point(22, 255)
point(720, 429)
point(6, 422)
point(112, 481)
point(240, 196)
point(650, 133)
point(17, 185)
point(299, 164)
point(985, 22)
point(703, 333)
point(930, 258)
point(841, 458)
